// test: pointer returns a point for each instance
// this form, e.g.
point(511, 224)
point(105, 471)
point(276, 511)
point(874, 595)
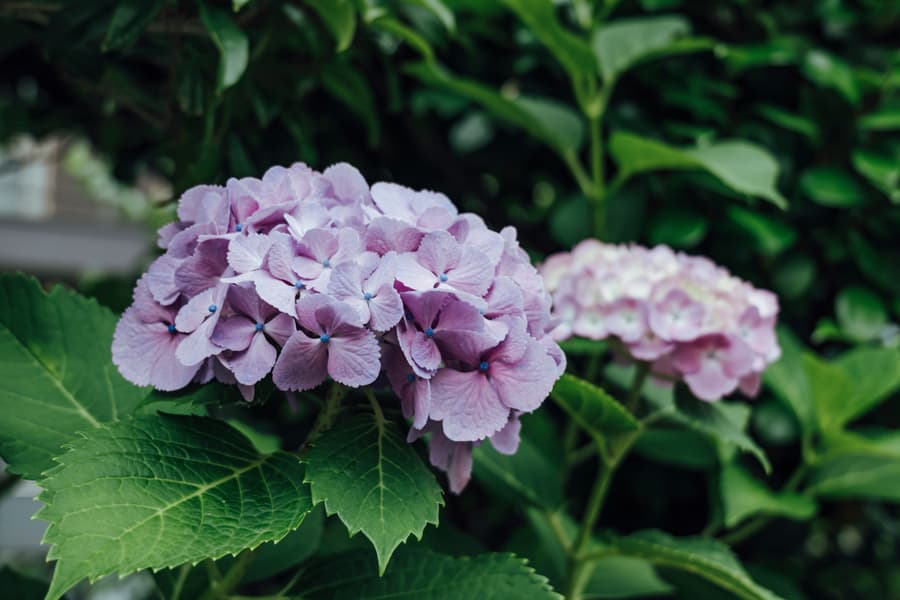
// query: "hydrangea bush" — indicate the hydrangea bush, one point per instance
point(308, 276)
point(686, 316)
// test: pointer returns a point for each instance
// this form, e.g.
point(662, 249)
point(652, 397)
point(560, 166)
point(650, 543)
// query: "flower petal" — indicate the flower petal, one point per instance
point(467, 405)
point(354, 360)
point(302, 365)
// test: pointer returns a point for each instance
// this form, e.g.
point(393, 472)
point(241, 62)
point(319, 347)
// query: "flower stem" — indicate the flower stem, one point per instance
point(222, 588)
point(637, 383)
point(609, 462)
point(327, 414)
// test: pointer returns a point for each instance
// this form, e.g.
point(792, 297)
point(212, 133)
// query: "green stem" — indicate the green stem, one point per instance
point(598, 195)
point(222, 588)
point(327, 414)
point(637, 384)
point(610, 461)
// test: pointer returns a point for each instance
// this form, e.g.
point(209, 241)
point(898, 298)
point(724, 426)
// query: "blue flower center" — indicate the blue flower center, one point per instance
point(324, 338)
point(411, 377)
point(429, 332)
point(483, 367)
point(259, 326)
point(367, 296)
point(171, 328)
point(443, 277)
point(239, 227)
point(326, 263)
point(212, 308)
point(299, 285)
point(408, 315)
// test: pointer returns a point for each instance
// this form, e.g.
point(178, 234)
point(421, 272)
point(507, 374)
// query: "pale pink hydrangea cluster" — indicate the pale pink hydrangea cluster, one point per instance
point(688, 317)
point(309, 275)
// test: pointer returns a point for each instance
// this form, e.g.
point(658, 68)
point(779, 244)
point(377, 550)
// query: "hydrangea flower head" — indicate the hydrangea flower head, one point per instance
point(306, 276)
point(683, 314)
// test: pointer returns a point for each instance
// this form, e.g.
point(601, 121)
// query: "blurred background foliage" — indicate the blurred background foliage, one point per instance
point(761, 134)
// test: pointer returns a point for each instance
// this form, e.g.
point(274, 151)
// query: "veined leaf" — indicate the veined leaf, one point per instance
point(703, 557)
point(234, 48)
point(366, 473)
point(622, 44)
point(743, 495)
point(861, 313)
point(418, 575)
point(157, 492)
point(788, 379)
point(882, 171)
point(56, 372)
point(592, 408)
point(339, 17)
point(742, 166)
point(439, 10)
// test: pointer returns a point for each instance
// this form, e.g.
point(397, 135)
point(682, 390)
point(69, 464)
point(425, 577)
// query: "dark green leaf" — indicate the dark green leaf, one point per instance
point(352, 90)
point(19, 586)
point(679, 228)
point(861, 314)
point(339, 17)
point(854, 466)
point(704, 557)
point(366, 473)
point(678, 447)
point(831, 187)
point(234, 49)
point(530, 474)
point(787, 378)
point(743, 495)
point(883, 119)
point(882, 171)
point(129, 21)
point(157, 492)
point(595, 411)
point(772, 236)
point(828, 71)
point(56, 372)
point(418, 575)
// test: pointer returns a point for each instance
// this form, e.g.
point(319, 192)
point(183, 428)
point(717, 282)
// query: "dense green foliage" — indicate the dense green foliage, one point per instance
point(763, 135)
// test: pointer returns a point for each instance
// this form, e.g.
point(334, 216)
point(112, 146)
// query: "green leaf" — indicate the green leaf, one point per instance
point(157, 492)
point(276, 557)
point(717, 420)
point(740, 165)
point(883, 119)
point(577, 346)
point(418, 575)
point(678, 227)
point(703, 557)
point(573, 53)
point(790, 121)
point(882, 171)
point(129, 21)
point(744, 495)
point(56, 372)
point(683, 448)
point(831, 187)
point(787, 378)
point(595, 411)
point(622, 44)
point(408, 35)
point(363, 470)
point(528, 475)
point(439, 10)
point(861, 314)
point(339, 17)
point(624, 577)
point(830, 72)
point(857, 466)
point(237, 5)
point(544, 119)
point(772, 236)
point(234, 49)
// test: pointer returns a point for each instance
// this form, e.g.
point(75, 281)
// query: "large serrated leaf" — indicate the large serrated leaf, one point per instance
point(56, 372)
point(742, 166)
point(160, 491)
point(703, 557)
point(418, 575)
point(366, 473)
point(592, 408)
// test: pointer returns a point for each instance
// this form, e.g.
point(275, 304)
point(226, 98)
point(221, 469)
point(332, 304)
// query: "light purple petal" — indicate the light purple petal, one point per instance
point(506, 441)
point(473, 275)
point(145, 353)
point(203, 269)
point(246, 252)
point(439, 252)
point(254, 363)
point(348, 183)
point(302, 365)
point(234, 333)
point(424, 352)
point(385, 308)
point(280, 328)
point(354, 360)
point(467, 404)
point(277, 293)
point(524, 385)
point(197, 346)
point(161, 279)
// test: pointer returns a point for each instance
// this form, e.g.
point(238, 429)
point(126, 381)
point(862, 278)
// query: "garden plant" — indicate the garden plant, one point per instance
point(462, 299)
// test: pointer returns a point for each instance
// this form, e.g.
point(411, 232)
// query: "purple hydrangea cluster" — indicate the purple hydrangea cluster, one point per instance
point(685, 315)
point(309, 275)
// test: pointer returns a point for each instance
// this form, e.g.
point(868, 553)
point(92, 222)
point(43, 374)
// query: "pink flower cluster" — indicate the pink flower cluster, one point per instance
point(309, 275)
point(687, 316)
